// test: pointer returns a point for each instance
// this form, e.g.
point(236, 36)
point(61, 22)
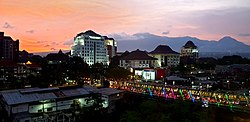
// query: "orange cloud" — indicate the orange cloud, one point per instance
point(48, 21)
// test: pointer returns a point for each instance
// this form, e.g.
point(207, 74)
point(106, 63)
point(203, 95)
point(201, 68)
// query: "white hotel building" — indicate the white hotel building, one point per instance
point(91, 47)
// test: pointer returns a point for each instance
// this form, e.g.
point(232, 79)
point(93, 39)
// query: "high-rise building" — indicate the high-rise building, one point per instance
point(190, 50)
point(166, 56)
point(91, 47)
point(111, 45)
point(9, 49)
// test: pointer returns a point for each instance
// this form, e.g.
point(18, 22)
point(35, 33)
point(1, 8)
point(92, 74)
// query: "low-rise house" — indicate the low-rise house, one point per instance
point(137, 60)
point(52, 104)
point(166, 56)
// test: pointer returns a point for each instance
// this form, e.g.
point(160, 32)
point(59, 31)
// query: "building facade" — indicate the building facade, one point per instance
point(54, 104)
point(111, 45)
point(137, 59)
point(166, 56)
point(190, 50)
point(9, 49)
point(91, 47)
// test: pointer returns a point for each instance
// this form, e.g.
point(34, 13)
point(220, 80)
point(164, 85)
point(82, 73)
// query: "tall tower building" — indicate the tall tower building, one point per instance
point(9, 48)
point(111, 45)
point(189, 52)
point(91, 47)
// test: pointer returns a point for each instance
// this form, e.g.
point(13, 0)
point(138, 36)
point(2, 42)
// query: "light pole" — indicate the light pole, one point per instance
point(228, 86)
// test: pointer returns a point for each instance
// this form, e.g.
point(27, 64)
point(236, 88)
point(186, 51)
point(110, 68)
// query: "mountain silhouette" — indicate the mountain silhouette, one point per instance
point(147, 41)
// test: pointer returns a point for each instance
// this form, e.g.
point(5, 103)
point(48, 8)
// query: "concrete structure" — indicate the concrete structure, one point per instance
point(93, 47)
point(53, 104)
point(137, 59)
point(9, 49)
point(166, 56)
point(190, 50)
point(111, 45)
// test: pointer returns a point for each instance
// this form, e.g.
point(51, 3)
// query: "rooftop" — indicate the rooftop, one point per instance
point(90, 33)
point(20, 96)
point(138, 55)
point(163, 49)
point(60, 56)
point(109, 91)
point(190, 44)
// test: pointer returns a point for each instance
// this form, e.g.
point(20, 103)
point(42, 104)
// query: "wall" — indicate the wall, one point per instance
point(20, 108)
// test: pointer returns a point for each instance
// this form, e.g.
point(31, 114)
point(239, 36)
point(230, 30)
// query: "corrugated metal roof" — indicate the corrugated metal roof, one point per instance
point(30, 90)
point(74, 92)
point(15, 97)
point(109, 91)
point(12, 97)
point(90, 88)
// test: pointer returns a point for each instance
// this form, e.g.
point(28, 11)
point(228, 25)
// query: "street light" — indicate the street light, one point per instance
point(228, 84)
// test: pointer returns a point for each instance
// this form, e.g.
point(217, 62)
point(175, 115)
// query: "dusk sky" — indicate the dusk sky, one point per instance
point(47, 25)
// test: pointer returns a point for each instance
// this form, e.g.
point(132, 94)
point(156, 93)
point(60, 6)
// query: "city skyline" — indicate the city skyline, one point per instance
point(51, 25)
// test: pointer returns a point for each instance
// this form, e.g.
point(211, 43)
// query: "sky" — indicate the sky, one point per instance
point(50, 25)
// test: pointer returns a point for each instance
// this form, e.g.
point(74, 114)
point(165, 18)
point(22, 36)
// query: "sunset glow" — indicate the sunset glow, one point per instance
point(51, 25)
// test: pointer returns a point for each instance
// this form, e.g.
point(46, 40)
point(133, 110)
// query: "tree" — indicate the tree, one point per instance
point(152, 110)
point(77, 69)
point(98, 71)
point(118, 73)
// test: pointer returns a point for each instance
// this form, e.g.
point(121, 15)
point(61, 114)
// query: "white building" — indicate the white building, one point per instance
point(190, 50)
point(91, 47)
point(53, 104)
point(137, 59)
point(166, 56)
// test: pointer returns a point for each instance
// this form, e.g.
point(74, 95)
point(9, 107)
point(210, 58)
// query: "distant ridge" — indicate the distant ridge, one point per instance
point(43, 54)
point(147, 41)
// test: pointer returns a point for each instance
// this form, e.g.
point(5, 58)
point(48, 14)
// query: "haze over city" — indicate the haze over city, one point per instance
point(51, 25)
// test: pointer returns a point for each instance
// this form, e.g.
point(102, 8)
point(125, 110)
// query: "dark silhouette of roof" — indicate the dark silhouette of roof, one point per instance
point(125, 53)
point(60, 56)
point(138, 55)
point(8, 37)
point(111, 39)
point(90, 33)
point(163, 49)
point(107, 38)
point(60, 52)
point(190, 44)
